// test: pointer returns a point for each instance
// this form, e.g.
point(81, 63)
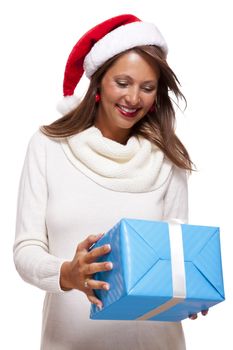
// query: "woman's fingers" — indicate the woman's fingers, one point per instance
point(88, 242)
point(84, 265)
point(205, 312)
point(194, 316)
point(92, 298)
point(90, 269)
point(93, 284)
point(97, 252)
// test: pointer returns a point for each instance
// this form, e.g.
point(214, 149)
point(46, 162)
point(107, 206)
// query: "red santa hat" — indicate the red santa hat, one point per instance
point(101, 43)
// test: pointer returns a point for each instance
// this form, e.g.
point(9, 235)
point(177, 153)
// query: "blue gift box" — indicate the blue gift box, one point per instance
point(161, 271)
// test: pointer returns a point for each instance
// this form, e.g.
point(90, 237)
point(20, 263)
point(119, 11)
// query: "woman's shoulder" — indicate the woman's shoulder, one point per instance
point(40, 146)
point(40, 139)
point(179, 176)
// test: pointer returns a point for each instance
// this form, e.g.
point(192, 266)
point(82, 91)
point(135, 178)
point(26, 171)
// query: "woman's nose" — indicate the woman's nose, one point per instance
point(133, 97)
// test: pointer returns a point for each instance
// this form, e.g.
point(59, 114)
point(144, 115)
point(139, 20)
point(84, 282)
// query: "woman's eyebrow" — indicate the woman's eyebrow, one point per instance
point(126, 76)
point(123, 76)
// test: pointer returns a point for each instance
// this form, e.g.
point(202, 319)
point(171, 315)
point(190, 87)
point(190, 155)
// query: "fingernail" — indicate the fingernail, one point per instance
point(99, 307)
point(193, 317)
point(106, 287)
point(100, 235)
point(107, 246)
point(109, 265)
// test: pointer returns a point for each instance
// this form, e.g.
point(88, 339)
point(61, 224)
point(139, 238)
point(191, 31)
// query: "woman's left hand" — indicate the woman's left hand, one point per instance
point(194, 316)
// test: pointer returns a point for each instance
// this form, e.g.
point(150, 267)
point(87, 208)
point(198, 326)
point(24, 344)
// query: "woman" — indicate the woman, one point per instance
point(114, 155)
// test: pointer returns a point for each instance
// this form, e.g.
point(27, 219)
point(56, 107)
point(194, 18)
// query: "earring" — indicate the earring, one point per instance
point(97, 97)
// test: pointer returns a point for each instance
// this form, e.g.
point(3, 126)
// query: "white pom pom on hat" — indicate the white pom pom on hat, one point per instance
point(101, 43)
point(68, 103)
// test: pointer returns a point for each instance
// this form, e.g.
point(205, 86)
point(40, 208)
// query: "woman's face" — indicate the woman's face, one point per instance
point(128, 90)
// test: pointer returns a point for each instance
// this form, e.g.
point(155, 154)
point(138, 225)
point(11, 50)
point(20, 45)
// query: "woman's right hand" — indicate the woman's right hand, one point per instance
point(78, 273)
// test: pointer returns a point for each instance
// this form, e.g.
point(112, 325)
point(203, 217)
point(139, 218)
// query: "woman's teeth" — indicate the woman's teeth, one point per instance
point(128, 110)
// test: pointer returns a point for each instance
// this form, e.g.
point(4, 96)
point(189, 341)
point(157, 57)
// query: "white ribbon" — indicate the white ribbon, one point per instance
point(177, 268)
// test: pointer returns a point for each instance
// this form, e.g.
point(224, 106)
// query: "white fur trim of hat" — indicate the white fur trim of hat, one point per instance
point(122, 39)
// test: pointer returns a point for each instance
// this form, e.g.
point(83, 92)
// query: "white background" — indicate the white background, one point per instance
point(36, 38)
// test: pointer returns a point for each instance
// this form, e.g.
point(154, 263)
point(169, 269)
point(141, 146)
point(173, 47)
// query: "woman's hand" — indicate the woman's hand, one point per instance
point(194, 316)
point(77, 274)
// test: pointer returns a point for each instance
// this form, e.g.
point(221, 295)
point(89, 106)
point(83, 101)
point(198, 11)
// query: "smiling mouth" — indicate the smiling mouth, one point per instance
point(126, 111)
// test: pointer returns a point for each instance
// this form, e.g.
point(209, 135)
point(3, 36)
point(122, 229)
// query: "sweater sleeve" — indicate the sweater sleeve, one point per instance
point(32, 259)
point(176, 196)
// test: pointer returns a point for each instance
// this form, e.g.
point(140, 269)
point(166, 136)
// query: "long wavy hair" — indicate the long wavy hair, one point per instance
point(158, 126)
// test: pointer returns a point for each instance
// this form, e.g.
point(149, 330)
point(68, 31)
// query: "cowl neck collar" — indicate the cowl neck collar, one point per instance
point(137, 166)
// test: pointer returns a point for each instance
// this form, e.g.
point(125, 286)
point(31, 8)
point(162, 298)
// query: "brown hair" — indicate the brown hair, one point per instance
point(157, 126)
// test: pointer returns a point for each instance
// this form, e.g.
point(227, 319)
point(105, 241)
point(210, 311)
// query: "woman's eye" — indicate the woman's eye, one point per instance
point(148, 88)
point(121, 84)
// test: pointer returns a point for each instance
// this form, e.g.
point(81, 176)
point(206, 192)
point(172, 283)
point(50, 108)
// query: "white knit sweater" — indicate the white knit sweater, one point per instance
point(83, 186)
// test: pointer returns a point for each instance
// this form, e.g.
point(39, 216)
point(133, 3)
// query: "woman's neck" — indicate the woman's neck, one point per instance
point(117, 135)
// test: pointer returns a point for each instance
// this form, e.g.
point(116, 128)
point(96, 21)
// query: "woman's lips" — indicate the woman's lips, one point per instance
point(127, 112)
